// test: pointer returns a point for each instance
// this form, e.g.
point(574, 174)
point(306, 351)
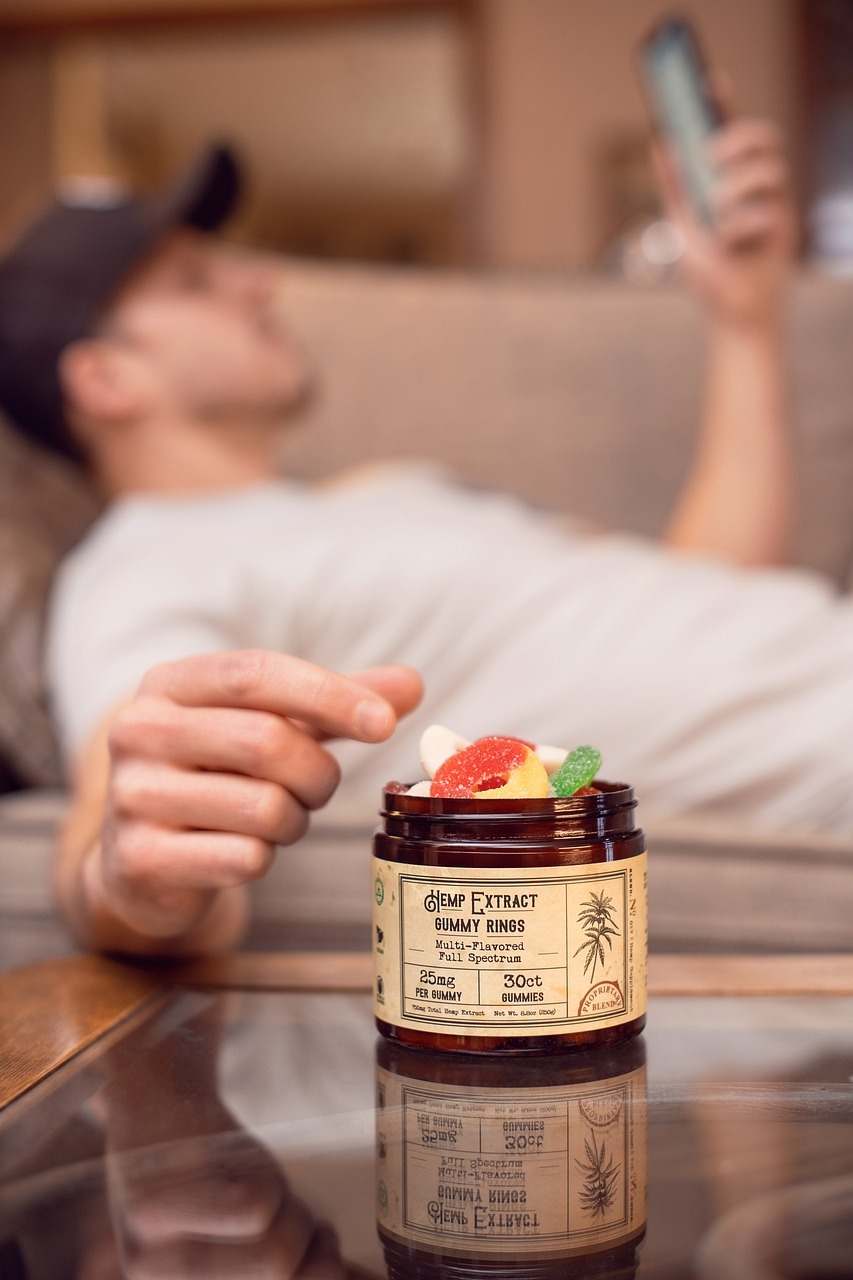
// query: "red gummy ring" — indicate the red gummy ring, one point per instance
point(484, 766)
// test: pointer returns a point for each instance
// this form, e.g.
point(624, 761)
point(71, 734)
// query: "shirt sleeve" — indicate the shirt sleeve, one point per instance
point(111, 620)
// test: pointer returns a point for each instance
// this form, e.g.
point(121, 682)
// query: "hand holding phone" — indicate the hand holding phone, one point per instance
point(676, 81)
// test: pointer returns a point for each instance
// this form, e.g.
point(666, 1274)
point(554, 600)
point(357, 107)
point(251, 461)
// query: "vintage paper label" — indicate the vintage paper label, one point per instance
point(543, 950)
point(509, 1172)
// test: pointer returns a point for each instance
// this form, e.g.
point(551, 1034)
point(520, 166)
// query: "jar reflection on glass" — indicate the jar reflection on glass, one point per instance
point(496, 1168)
point(510, 926)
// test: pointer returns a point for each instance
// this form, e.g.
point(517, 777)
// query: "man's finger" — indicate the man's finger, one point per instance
point(226, 740)
point(266, 681)
point(150, 792)
point(211, 1203)
point(761, 179)
point(397, 684)
point(158, 862)
point(401, 686)
point(743, 139)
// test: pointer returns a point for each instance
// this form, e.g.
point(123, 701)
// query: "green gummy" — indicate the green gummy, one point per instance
point(577, 770)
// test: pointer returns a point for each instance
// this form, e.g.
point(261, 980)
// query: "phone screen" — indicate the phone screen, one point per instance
point(674, 72)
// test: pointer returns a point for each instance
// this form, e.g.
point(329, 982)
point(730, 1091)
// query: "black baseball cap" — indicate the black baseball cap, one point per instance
point(57, 277)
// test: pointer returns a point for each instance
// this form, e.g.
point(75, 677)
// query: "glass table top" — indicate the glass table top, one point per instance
point(255, 1134)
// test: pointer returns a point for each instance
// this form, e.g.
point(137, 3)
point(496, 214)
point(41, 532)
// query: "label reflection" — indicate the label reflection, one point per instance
point(532, 1163)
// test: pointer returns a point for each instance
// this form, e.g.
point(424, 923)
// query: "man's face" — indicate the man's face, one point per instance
point(204, 319)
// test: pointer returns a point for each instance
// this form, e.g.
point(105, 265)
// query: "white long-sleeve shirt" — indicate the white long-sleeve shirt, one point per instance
point(706, 686)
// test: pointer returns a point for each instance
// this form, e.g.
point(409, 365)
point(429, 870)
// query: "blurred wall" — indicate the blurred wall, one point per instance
point(509, 133)
point(355, 131)
point(25, 131)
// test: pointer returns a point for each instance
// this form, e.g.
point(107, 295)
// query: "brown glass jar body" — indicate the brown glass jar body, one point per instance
point(537, 1085)
point(500, 839)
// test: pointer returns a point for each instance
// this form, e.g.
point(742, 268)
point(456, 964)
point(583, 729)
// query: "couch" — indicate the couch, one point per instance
point(580, 394)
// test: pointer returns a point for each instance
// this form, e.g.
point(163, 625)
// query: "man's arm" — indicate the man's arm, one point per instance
point(738, 499)
point(181, 796)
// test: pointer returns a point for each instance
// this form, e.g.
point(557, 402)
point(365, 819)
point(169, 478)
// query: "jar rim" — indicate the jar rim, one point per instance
point(611, 796)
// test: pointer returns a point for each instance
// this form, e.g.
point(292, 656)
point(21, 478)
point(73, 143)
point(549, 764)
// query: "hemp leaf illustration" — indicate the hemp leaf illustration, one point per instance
point(601, 1176)
point(596, 918)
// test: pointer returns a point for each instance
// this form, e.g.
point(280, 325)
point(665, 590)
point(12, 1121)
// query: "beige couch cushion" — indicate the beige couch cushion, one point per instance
point(712, 887)
point(44, 506)
point(581, 394)
point(30, 926)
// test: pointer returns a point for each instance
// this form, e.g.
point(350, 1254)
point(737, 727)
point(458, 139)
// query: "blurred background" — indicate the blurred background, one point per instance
point(500, 149)
point(474, 133)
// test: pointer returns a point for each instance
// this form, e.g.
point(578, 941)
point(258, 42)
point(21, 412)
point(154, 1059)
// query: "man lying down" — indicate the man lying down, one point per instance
point(201, 631)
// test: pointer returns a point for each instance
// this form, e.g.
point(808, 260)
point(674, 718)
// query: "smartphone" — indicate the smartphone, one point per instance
point(675, 76)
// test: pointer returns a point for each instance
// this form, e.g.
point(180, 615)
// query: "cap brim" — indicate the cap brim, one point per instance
point(202, 197)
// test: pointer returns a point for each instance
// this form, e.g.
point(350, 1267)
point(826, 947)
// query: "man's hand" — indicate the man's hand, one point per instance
point(215, 761)
point(739, 266)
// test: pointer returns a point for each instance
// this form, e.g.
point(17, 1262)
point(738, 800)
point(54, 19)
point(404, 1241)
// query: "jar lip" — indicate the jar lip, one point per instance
point(612, 795)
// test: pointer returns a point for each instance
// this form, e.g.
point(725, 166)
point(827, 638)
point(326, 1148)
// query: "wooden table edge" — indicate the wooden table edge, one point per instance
point(50, 1013)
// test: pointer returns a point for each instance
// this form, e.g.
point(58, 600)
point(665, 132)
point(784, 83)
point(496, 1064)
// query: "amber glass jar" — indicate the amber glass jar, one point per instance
point(510, 926)
point(496, 1168)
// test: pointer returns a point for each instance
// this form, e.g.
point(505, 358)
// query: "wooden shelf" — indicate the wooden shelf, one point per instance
point(67, 17)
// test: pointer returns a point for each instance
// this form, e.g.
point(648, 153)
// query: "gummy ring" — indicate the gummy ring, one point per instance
point(491, 768)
